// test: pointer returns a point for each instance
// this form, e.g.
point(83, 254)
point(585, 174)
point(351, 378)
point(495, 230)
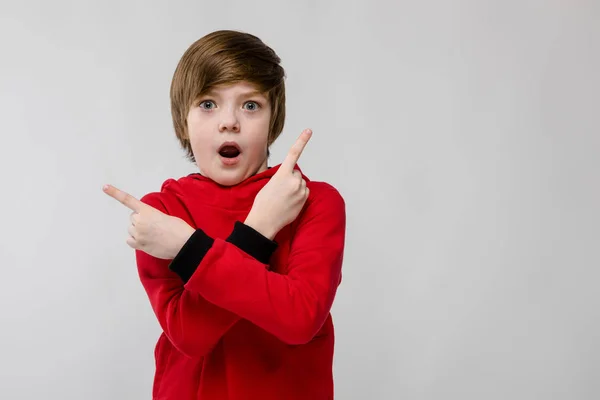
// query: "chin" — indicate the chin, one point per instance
point(224, 177)
point(228, 180)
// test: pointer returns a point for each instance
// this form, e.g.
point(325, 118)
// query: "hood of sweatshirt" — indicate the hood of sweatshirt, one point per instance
point(198, 188)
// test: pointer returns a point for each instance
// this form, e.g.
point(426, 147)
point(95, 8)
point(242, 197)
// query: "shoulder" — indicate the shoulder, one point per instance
point(324, 198)
point(323, 218)
point(167, 199)
point(324, 192)
point(154, 199)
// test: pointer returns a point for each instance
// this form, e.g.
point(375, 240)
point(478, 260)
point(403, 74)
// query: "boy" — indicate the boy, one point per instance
point(241, 261)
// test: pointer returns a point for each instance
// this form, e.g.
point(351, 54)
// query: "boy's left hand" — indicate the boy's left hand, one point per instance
point(151, 230)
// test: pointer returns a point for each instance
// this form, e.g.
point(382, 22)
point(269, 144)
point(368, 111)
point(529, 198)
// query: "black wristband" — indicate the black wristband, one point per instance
point(191, 254)
point(244, 237)
point(252, 242)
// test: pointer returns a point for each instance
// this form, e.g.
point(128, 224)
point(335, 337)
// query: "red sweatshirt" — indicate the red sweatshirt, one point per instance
point(244, 317)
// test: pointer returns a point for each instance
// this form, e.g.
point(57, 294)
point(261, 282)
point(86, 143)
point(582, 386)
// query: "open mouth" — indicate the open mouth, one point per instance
point(229, 150)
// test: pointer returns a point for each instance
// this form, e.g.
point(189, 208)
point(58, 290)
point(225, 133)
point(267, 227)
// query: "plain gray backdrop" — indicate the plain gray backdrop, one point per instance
point(464, 136)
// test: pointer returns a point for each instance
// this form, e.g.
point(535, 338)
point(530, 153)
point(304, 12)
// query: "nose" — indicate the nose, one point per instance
point(229, 122)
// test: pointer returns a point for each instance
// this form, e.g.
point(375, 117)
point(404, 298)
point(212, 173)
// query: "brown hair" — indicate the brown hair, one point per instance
point(226, 57)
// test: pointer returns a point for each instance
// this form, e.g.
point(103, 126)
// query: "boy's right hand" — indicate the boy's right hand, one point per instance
point(280, 201)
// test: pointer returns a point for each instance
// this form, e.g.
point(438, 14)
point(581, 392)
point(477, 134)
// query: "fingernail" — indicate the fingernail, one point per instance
point(105, 188)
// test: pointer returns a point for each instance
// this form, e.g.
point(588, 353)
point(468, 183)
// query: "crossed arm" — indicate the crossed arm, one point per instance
point(212, 283)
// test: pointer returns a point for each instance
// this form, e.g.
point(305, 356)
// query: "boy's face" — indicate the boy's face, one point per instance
point(228, 130)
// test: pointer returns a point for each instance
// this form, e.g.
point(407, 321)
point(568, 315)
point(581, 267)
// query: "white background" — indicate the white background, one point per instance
point(464, 136)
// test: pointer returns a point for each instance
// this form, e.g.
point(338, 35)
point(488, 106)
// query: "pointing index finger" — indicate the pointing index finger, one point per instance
point(296, 151)
point(124, 198)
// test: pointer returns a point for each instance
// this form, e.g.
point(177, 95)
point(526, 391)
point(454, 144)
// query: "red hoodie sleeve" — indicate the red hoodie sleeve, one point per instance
point(192, 324)
point(294, 306)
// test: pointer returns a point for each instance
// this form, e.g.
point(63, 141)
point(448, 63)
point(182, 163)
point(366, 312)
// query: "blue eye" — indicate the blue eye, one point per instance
point(206, 102)
point(254, 104)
